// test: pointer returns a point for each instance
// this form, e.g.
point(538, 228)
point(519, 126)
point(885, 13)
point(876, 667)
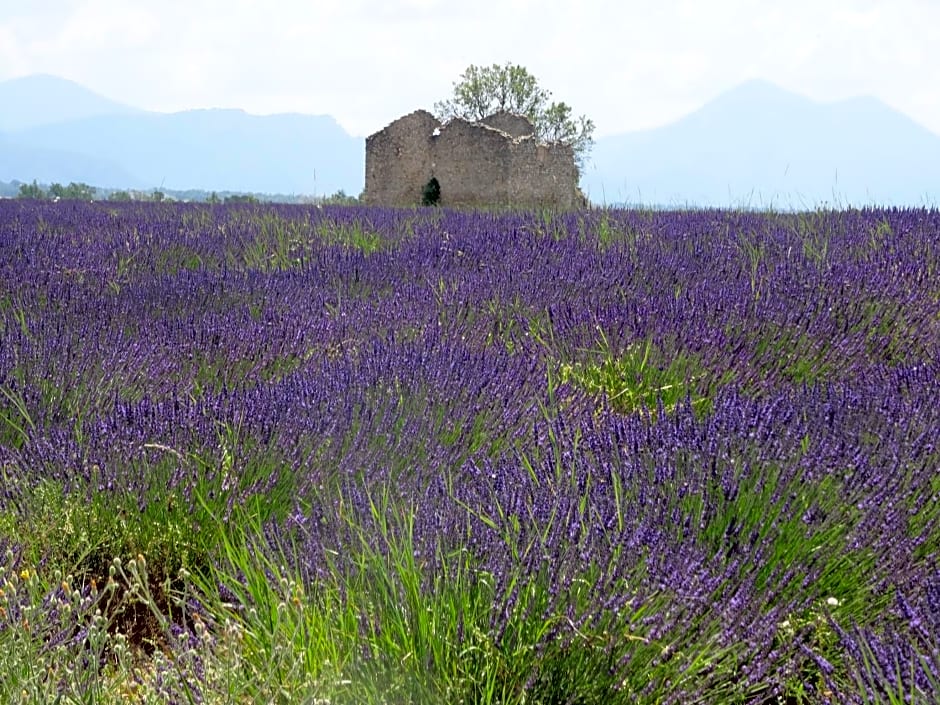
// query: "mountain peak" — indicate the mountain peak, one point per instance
point(42, 99)
point(762, 88)
point(758, 94)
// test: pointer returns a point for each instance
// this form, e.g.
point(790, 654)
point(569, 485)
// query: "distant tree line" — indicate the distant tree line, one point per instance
point(74, 191)
point(77, 191)
point(82, 191)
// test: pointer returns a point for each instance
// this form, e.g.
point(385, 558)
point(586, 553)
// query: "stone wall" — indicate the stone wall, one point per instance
point(398, 160)
point(494, 162)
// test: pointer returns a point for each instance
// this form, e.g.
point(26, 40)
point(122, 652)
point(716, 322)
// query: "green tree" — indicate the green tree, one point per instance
point(79, 191)
point(484, 90)
point(32, 190)
point(240, 198)
point(339, 198)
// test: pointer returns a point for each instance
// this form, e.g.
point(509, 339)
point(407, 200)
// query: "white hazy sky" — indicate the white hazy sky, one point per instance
point(628, 64)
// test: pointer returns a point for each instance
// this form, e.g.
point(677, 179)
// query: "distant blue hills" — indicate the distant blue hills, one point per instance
point(760, 146)
point(755, 145)
point(61, 132)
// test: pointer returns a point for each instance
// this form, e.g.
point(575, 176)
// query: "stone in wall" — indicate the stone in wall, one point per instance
point(510, 123)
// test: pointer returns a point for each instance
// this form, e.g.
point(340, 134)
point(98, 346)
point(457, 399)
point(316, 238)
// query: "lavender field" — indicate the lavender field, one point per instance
point(350, 455)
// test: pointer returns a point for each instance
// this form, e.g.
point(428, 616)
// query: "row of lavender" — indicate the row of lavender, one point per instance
point(424, 353)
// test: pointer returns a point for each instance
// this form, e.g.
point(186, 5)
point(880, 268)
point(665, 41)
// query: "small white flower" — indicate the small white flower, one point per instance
point(832, 602)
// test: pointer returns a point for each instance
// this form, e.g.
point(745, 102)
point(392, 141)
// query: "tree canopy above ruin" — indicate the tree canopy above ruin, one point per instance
point(483, 91)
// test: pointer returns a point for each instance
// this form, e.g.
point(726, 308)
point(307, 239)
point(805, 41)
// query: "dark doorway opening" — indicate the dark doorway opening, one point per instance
point(431, 193)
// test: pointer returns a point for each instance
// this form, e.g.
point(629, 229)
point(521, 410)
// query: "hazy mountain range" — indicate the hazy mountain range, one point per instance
point(60, 132)
point(760, 145)
point(755, 145)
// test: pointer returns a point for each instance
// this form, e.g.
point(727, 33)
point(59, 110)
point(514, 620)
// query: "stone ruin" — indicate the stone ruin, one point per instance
point(494, 162)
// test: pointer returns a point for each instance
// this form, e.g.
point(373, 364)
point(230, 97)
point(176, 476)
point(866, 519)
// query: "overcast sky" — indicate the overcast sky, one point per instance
point(628, 64)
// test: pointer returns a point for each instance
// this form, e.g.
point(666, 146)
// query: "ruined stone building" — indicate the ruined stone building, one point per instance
point(494, 162)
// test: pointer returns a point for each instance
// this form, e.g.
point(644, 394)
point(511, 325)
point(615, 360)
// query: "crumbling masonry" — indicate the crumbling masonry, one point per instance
point(494, 162)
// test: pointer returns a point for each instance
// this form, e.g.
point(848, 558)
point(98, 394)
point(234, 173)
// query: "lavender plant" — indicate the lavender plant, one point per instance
point(363, 455)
